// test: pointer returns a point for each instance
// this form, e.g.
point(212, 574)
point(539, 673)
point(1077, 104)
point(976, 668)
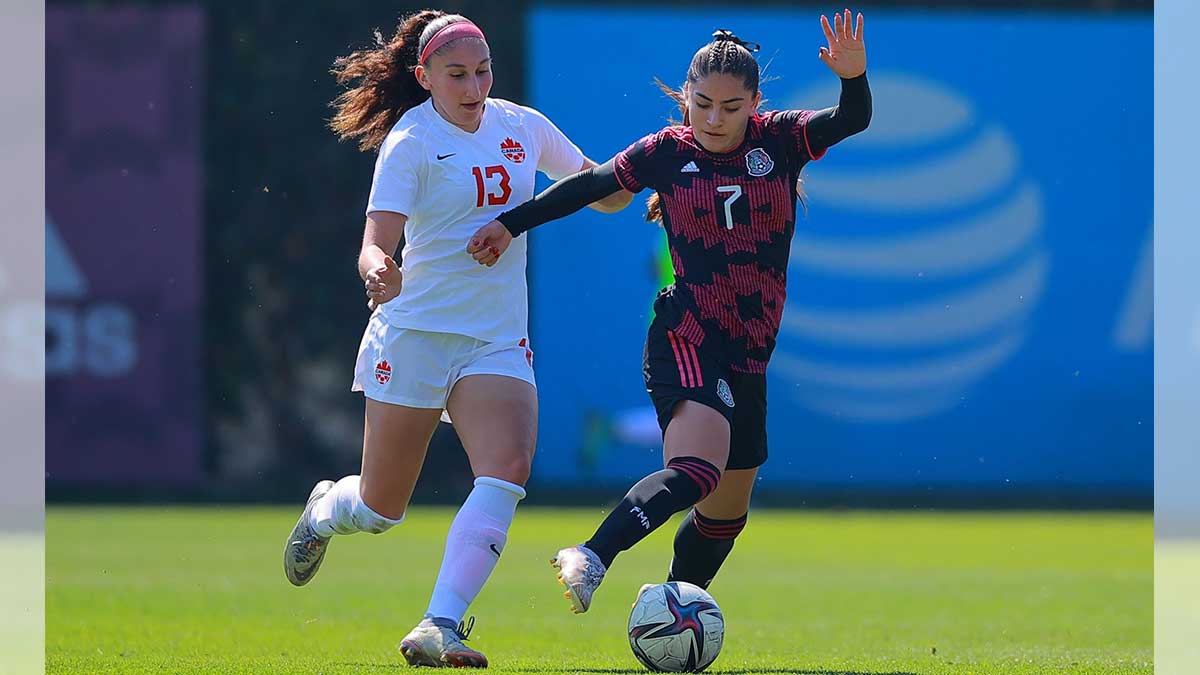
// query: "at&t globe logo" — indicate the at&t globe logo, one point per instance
point(915, 275)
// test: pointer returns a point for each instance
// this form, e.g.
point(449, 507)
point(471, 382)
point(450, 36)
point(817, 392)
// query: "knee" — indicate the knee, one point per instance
point(514, 469)
point(697, 472)
point(512, 466)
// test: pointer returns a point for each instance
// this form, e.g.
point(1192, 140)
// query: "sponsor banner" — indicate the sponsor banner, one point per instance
point(123, 245)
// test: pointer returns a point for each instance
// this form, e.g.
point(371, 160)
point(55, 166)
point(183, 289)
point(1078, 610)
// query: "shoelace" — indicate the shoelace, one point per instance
point(464, 628)
point(309, 545)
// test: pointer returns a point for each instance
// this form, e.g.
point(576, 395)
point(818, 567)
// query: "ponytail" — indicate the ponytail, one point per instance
point(380, 80)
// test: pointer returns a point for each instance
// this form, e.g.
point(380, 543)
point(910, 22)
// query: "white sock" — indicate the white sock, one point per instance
point(473, 546)
point(343, 511)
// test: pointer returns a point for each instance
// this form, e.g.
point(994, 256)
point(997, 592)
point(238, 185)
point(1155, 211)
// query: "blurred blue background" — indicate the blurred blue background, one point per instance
point(970, 296)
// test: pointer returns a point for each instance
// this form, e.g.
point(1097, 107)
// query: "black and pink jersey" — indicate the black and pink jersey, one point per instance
point(729, 220)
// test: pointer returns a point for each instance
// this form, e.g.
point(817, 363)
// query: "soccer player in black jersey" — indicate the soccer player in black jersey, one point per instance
point(723, 190)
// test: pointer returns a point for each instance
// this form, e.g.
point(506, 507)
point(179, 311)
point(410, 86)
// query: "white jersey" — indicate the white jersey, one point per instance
point(450, 183)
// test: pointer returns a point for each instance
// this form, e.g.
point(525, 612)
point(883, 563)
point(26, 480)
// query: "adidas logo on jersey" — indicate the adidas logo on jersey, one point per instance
point(690, 167)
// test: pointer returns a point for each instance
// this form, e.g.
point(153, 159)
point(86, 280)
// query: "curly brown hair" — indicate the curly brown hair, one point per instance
point(380, 81)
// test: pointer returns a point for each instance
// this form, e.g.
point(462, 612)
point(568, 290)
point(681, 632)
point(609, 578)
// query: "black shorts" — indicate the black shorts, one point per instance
point(675, 370)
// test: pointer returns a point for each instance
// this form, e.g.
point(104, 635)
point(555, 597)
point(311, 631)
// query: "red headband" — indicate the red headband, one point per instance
point(453, 31)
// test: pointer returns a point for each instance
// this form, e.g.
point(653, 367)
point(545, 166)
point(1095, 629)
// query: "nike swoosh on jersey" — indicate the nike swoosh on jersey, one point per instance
point(441, 157)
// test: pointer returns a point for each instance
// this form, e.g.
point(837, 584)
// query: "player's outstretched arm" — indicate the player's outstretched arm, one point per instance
point(612, 203)
point(846, 56)
point(557, 201)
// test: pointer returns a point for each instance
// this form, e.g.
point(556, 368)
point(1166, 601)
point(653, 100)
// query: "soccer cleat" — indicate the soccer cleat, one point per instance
point(580, 570)
point(437, 644)
point(305, 548)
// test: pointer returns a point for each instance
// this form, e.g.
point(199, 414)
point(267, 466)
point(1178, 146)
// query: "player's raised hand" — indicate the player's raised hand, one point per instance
point(846, 54)
point(383, 283)
point(489, 243)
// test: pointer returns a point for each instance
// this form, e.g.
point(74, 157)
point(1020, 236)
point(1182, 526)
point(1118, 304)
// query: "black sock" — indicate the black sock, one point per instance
point(701, 546)
point(651, 502)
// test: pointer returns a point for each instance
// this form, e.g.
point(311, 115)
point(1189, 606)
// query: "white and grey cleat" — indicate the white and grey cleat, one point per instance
point(305, 548)
point(580, 570)
point(440, 645)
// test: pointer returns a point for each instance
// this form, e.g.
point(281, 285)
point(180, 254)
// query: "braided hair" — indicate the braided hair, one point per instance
point(727, 54)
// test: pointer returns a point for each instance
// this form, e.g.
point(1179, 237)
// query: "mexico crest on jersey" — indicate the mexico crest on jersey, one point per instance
point(758, 162)
point(512, 151)
point(723, 392)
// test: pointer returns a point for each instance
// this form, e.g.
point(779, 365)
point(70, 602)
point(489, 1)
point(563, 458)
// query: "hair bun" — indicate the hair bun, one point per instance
point(724, 35)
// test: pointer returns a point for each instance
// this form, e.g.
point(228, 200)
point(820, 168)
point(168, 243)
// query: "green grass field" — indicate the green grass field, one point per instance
point(201, 590)
point(22, 608)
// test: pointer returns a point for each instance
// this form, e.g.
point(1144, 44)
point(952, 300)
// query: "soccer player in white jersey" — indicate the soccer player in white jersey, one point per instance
point(445, 333)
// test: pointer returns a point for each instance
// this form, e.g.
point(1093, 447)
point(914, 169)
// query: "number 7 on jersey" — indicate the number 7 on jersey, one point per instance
point(734, 191)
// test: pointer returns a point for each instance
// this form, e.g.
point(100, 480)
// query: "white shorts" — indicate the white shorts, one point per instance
point(418, 368)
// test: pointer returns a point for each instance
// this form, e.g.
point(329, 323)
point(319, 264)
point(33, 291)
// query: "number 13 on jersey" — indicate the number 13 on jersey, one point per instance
point(496, 191)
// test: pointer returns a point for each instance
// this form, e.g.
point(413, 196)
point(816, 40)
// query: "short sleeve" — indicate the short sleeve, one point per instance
point(794, 125)
point(559, 157)
point(397, 174)
point(635, 166)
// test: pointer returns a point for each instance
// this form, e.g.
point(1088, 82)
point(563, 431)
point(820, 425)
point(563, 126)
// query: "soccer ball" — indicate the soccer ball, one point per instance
point(676, 627)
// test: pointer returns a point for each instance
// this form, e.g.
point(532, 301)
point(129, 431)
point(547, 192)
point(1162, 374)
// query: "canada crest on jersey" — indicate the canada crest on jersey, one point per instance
point(383, 372)
point(758, 162)
point(512, 151)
